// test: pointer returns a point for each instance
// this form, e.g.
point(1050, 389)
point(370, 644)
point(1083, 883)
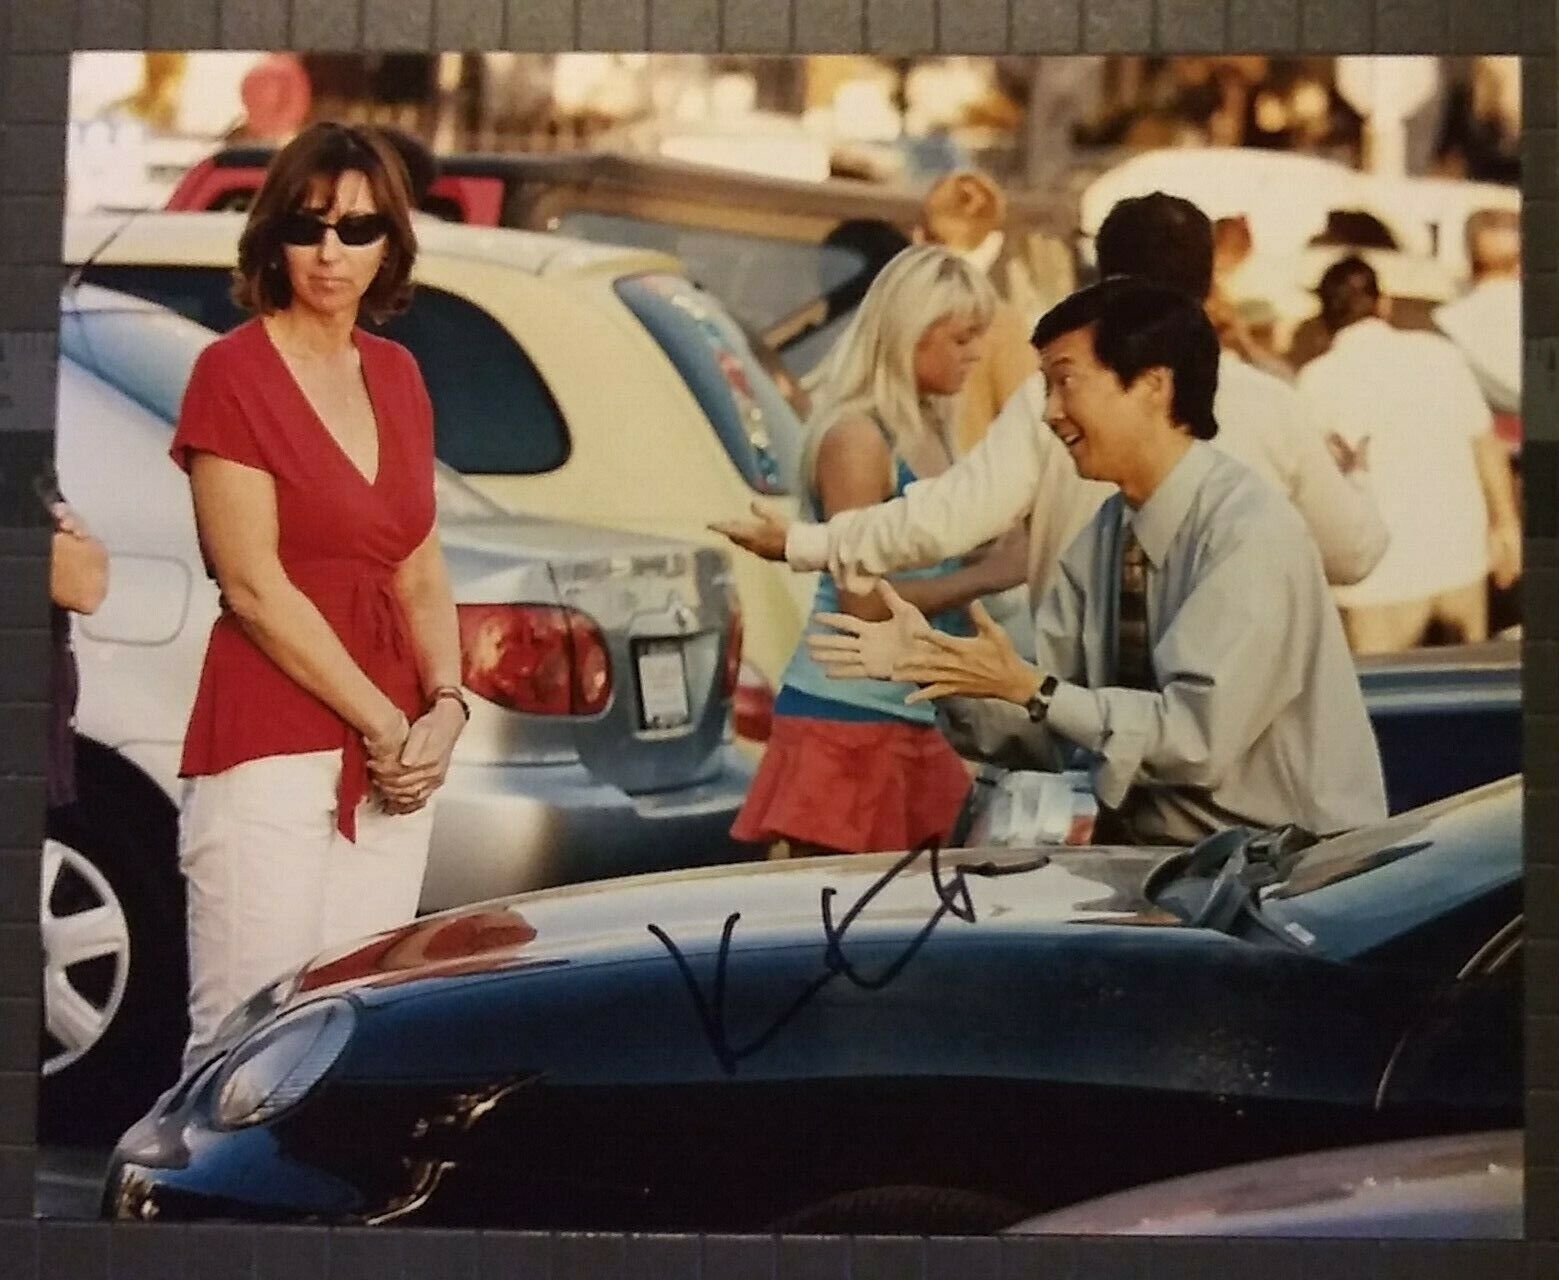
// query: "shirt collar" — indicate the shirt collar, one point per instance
point(1360, 331)
point(984, 254)
point(1159, 518)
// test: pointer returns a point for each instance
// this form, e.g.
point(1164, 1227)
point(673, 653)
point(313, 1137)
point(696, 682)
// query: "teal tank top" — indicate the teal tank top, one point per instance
point(805, 688)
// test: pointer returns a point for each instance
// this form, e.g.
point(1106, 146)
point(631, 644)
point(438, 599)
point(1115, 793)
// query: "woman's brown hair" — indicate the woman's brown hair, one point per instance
point(326, 149)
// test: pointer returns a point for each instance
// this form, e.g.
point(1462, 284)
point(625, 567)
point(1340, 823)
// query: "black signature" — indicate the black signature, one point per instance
point(953, 899)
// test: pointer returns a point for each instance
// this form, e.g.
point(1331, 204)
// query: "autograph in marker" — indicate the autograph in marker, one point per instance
point(952, 898)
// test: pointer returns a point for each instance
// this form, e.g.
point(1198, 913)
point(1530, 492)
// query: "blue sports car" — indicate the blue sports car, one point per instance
point(926, 1042)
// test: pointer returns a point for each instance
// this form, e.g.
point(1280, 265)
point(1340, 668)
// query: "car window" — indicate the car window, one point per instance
point(762, 279)
point(757, 427)
point(493, 412)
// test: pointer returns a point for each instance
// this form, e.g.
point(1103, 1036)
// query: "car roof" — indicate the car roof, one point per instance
point(1291, 193)
point(94, 297)
point(214, 237)
point(832, 197)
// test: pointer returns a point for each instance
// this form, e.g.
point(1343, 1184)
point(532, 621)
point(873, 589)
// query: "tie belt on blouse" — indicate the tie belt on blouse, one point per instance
point(375, 637)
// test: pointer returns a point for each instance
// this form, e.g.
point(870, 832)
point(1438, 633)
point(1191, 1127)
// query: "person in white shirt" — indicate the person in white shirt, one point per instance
point(965, 213)
point(1020, 468)
point(1485, 323)
point(1409, 410)
point(1211, 688)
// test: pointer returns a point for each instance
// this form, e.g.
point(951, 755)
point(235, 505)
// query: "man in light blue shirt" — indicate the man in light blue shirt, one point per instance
point(1249, 708)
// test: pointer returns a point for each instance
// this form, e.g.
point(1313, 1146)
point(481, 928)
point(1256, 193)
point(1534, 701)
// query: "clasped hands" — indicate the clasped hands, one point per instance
point(905, 647)
point(408, 762)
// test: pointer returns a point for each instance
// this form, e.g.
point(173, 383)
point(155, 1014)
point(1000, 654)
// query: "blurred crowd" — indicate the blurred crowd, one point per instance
point(1418, 402)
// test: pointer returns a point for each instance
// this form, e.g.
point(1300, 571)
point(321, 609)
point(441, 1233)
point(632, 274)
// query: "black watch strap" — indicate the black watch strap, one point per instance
point(1039, 705)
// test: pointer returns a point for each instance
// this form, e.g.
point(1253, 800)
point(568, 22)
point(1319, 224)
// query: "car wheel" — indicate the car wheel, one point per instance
point(939, 1211)
point(114, 976)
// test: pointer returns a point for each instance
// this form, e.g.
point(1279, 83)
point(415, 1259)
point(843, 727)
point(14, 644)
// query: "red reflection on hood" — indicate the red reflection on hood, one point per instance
point(471, 940)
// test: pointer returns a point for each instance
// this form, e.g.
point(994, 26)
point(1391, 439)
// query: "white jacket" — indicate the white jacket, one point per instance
point(1020, 468)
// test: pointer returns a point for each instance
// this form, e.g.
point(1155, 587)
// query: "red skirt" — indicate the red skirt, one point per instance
point(856, 787)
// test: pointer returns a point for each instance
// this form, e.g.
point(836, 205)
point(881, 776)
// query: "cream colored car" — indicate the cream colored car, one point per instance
point(568, 379)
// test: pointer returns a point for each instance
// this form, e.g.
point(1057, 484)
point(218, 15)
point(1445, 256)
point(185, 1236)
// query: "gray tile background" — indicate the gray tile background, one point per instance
point(34, 34)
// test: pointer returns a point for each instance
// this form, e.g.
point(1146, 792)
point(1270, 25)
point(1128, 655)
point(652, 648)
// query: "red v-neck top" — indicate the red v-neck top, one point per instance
point(340, 538)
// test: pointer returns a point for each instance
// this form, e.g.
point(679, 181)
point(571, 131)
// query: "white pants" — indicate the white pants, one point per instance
point(270, 882)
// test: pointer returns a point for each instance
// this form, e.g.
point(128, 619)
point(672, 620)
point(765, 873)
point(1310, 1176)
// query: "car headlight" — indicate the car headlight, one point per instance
point(276, 1068)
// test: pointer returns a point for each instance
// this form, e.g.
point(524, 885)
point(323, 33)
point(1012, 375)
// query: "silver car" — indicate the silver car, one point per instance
point(1466, 1186)
point(599, 745)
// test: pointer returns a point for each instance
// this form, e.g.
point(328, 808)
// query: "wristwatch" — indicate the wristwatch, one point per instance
point(1038, 706)
point(454, 694)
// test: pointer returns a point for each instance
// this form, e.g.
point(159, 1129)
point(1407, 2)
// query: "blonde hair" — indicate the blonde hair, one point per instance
point(962, 209)
point(871, 369)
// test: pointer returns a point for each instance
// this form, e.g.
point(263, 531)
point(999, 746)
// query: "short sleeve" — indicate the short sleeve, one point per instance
point(212, 417)
point(1464, 397)
point(424, 406)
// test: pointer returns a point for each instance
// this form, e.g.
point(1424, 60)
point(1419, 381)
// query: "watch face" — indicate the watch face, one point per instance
point(1039, 704)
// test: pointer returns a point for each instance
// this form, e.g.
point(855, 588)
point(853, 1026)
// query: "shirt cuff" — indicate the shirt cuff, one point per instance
point(806, 546)
point(1075, 714)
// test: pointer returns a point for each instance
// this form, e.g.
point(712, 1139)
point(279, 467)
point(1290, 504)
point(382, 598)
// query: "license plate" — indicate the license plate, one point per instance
point(662, 684)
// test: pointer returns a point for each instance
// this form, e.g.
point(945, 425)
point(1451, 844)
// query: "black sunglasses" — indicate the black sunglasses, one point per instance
point(354, 229)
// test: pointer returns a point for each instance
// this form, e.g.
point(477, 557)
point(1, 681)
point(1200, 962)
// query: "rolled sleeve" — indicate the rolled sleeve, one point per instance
point(1076, 715)
point(806, 547)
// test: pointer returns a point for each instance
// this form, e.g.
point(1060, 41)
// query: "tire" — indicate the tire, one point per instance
point(938, 1211)
point(115, 973)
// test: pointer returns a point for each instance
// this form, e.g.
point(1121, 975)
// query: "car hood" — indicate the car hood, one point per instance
point(777, 904)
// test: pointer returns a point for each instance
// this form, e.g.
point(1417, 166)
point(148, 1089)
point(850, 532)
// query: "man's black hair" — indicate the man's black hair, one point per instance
point(1161, 238)
point(1137, 325)
point(1350, 291)
point(877, 242)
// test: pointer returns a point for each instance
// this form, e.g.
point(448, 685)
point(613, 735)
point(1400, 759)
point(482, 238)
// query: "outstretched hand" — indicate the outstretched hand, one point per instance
point(862, 650)
point(763, 533)
point(1505, 555)
point(985, 665)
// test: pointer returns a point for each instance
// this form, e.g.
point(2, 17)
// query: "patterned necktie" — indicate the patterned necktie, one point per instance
point(1133, 654)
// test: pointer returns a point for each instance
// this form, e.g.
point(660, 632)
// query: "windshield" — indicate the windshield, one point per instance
point(1361, 890)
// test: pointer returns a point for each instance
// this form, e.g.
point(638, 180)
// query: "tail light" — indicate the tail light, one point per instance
point(540, 659)
point(752, 716)
point(730, 675)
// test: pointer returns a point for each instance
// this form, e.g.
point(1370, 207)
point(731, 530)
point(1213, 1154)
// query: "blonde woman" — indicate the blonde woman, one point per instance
point(850, 768)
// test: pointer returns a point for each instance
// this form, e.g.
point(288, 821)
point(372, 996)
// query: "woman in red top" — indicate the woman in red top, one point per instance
point(330, 698)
